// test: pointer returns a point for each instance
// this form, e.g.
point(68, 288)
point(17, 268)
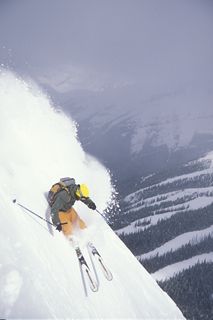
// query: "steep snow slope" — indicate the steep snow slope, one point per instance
point(39, 275)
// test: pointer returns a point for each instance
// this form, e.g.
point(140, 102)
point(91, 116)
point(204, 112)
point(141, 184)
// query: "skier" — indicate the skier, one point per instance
point(61, 198)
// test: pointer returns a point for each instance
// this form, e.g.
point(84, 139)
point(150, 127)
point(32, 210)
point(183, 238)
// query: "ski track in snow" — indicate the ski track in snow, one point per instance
point(10, 287)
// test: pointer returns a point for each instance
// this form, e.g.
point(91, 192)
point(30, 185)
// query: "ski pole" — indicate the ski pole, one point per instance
point(102, 215)
point(35, 214)
point(105, 218)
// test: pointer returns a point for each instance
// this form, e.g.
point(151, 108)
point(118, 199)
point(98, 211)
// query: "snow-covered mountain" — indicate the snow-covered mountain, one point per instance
point(40, 275)
point(145, 131)
point(168, 224)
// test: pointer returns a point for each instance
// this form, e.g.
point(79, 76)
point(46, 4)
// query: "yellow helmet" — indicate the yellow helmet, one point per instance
point(82, 191)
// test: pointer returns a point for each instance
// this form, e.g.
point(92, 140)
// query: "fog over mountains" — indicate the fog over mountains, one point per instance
point(142, 139)
point(91, 45)
point(140, 85)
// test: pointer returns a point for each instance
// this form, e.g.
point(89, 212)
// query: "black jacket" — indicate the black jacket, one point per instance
point(64, 201)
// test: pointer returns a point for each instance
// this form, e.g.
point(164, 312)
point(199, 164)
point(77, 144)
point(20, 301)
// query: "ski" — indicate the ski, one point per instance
point(83, 266)
point(84, 269)
point(93, 252)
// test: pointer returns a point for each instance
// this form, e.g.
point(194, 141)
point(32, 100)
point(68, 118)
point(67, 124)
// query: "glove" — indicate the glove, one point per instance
point(58, 227)
point(91, 205)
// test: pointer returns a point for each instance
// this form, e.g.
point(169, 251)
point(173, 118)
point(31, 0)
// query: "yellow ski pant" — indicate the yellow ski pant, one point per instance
point(70, 217)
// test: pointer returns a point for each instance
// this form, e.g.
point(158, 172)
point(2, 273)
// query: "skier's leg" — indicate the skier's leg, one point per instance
point(65, 217)
point(82, 224)
point(75, 217)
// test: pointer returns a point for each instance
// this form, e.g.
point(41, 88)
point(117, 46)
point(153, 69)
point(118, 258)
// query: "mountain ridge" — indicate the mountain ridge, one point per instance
point(151, 131)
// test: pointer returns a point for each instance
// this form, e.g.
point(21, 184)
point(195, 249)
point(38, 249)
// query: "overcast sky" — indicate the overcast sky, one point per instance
point(151, 43)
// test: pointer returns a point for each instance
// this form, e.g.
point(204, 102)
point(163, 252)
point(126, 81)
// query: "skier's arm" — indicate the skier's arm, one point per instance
point(57, 206)
point(90, 204)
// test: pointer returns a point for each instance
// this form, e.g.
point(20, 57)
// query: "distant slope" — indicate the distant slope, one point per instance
point(171, 270)
point(152, 131)
point(168, 221)
point(192, 290)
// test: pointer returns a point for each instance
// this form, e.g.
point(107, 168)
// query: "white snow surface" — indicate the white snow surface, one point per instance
point(40, 275)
